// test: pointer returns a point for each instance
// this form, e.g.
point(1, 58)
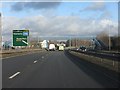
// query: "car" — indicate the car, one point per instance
point(82, 48)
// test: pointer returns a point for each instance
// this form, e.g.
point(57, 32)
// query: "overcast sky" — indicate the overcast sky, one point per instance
point(59, 18)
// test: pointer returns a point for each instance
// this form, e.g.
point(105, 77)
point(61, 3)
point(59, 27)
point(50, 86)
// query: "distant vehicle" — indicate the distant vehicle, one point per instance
point(61, 48)
point(44, 44)
point(52, 47)
point(82, 48)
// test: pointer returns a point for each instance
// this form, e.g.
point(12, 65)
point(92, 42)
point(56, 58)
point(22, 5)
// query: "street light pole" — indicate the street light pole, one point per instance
point(38, 41)
point(109, 39)
point(70, 42)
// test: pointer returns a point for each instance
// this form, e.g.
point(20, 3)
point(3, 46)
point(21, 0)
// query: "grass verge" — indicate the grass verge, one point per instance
point(17, 53)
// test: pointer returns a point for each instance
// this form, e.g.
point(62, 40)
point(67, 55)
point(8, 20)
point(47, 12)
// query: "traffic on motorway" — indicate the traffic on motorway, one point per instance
point(59, 44)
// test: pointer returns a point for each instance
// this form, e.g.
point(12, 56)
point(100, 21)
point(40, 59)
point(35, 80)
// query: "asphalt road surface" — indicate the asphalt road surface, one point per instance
point(52, 69)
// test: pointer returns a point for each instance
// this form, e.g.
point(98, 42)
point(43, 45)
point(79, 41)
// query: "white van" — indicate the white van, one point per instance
point(61, 48)
point(51, 47)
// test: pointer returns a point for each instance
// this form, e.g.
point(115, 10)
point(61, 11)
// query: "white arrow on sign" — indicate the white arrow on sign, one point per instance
point(24, 42)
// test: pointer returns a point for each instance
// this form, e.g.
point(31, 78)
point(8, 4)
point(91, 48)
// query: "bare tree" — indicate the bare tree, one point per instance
point(104, 37)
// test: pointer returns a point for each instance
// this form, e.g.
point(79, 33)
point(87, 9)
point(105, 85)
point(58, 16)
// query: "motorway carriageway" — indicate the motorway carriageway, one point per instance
point(53, 69)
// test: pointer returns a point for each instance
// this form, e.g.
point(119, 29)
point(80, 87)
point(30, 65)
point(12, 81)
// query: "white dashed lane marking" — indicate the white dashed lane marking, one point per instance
point(42, 57)
point(14, 75)
point(35, 61)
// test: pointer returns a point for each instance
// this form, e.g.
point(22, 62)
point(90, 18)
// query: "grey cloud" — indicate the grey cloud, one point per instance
point(19, 6)
point(57, 26)
point(95, 6)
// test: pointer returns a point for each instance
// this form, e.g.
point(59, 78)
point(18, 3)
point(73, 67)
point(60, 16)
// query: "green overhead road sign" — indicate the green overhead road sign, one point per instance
point(20, 37)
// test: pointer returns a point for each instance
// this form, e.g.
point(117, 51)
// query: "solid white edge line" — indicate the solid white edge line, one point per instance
point(14, 75)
